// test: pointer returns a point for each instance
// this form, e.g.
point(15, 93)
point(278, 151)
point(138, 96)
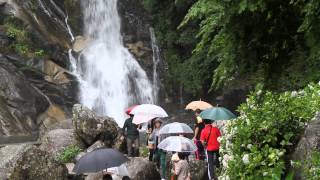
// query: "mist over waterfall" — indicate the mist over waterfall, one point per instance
point(110, 77)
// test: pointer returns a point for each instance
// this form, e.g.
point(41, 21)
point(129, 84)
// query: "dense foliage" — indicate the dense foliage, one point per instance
point(272, 42)
point(312, 168)
point(257, 142)
point(69, 153)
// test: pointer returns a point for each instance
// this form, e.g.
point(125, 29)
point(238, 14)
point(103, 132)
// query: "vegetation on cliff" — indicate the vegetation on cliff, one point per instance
point(271, 42)
point(21, 40)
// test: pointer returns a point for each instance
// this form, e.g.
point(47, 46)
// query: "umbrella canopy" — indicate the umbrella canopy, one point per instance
point(128, 111)
point(99, 160)
point(217, 113)
point(202, 105)
point(145, 112)
point(120, 171)
point(177, 144)
point(176, 128)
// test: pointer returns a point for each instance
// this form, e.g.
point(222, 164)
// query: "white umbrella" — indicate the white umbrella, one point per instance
point(120, 171)
point(176, 128)
point(145, 112)
point(177, 144)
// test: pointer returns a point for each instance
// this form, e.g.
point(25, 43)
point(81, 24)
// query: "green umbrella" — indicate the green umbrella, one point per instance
point(217, 113)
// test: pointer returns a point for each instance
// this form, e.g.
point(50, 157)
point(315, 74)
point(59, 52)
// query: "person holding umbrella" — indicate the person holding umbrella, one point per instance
point(181, 167)
point(209, 138)
point(159, 156)
point(131, 133)
point(198, 127)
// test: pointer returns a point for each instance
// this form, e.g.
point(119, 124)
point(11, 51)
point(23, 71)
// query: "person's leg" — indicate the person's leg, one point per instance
point(129, 147)
point(156, 157)
point(151, 152)
point(136, 147)
point(197, 151)
point(163, 164)
point(210, 160)
point(217, 155)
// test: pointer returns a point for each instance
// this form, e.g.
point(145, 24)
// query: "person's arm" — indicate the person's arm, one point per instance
point(124, 128)
point(196, 131)
point(202, 138)
point(177, 168)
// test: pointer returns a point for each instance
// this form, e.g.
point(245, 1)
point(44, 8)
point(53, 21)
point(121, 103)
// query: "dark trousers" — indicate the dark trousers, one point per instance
point(151, 152)
point(213, 161)
point(133, 146)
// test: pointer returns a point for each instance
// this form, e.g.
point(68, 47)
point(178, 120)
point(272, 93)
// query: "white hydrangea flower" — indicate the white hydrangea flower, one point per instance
point(249, 146)
point(281, 153)
point(294, 94)
point(265, 173)
point(302, 93)
point(245, 159)
point(259, 92)
point(219, 139)
point(310, 86)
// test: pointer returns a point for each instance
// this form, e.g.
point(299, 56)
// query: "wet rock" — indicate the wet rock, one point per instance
point(54, 118)
point(20, 101)
point(141, 169)
point(94, 176)
point(4, 40)
point(96, 145)
point(90, 127)
point(55, 141)
point(9, 156)
point(37, 164)
point(80, 43)
point(308, 144)
point(135, 29)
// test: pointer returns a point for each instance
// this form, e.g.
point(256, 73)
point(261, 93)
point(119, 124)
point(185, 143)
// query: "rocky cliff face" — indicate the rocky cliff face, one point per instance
point(38, 91)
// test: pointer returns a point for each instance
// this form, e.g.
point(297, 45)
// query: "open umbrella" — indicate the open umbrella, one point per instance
point(177, 144)
point(176, 128)
point(128, 111)
point(99, 160)
point(145, 112)
point(217, 113)
point(202, 105)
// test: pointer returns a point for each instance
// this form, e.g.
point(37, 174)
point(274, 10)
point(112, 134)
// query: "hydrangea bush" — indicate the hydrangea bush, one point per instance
point(255, 145)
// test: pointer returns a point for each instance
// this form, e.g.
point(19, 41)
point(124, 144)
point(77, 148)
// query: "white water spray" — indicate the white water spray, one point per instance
point(111, 79)
point(156, 60)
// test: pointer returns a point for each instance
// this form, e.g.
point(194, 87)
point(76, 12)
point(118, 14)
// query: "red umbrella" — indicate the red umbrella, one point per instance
point(128, 111)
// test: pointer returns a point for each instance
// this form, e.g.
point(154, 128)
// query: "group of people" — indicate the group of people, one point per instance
point(205, 138)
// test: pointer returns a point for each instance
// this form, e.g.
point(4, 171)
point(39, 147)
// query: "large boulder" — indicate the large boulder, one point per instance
point(37, 164)
point(20, 102)
point(308, 144)
point(141, 169)
point(9, 156)
point(55, 141)
point(89, 127)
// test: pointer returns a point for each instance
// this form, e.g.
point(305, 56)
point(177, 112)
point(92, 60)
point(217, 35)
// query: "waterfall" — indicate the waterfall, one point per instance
point(156, 60)
point(110, 77)
point(68, 28)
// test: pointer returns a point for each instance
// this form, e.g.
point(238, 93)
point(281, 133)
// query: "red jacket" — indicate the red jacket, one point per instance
point(211, 139)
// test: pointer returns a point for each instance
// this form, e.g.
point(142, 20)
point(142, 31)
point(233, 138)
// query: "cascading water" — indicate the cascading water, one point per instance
point(156, 60)
point(110, 78)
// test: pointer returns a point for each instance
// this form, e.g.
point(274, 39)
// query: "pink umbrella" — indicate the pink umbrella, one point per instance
point(128, 111)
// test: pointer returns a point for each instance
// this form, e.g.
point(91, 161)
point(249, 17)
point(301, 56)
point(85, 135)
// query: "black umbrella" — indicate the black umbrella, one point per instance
point(99, 160)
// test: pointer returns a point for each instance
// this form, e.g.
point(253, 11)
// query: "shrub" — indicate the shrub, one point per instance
point(269, 125)
point(312, 169)
point(68, 154)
